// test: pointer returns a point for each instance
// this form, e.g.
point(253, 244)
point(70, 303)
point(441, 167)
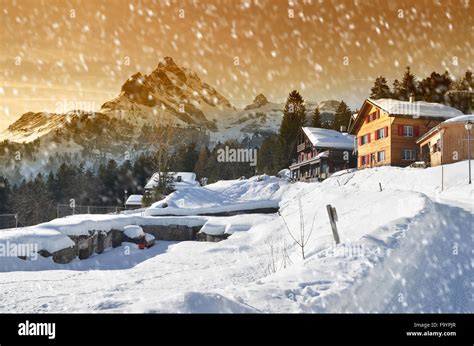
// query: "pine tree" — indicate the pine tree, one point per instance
point(271, 156)
point(316, 120)
point(109, 183)
point(142, 171)
point(185, 158)
point(32, 202)
point(380, 89)
point(4, 195)
point(408, 86)
point(200, 168)
point(434, 87)
point(53, 188)
point(460, 94)
point(125, 180)
point(342, 117)
point(66, 184)
point(218, 169)
point(294, 118)
point(396, 94)
point(90, 188)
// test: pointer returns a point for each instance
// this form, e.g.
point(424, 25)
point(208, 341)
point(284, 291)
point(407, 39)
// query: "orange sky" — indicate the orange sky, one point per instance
point(54, 54)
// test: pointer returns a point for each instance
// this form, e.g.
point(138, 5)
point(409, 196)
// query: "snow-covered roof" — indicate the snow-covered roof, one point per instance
point(188, 179)
point(323, 154)
point(461, 119)
point(324, 138)
point(416, 108)
point(134, 200)
point(258, 192)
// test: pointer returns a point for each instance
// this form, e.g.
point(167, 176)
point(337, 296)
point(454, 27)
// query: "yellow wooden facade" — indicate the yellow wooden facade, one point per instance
point(371, 119)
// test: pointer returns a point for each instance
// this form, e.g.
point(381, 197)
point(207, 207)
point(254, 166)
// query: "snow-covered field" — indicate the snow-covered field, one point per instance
point(407, 248)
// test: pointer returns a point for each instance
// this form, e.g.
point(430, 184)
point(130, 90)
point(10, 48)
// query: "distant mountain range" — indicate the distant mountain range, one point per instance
point(168, 95)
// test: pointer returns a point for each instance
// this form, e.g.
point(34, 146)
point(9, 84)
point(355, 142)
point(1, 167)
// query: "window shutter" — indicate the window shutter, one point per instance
point(416, 131)
point(367, 159)
point(368, 137)
point(360, 140)
point(376, 135)
point(400, 130)
point(360, 161)
point(386, 131)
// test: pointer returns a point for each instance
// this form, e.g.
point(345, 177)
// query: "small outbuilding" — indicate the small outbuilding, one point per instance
point(447, 142)
point(134, 202)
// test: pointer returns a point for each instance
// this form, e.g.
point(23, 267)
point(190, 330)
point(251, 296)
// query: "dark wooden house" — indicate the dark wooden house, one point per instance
point(321, 152)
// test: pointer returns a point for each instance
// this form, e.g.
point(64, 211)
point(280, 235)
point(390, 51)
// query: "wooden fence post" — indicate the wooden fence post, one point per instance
point(332, 219)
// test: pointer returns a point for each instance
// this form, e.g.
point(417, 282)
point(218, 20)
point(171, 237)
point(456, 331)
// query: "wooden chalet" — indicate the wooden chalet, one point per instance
point(447, 142)
point(321, 152)
point(387, 130)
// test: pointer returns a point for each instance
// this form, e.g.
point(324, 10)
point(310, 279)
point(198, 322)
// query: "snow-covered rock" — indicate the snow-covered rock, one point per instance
point(133, 231)
point(50, 240)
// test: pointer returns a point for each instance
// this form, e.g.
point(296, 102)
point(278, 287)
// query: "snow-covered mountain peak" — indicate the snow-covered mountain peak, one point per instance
point(329, 105)
point(33, 125)
point(171, 92)
point(259, 101)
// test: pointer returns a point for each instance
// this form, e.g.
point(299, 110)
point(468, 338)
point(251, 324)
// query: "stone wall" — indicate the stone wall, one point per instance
point(211, 238)
point(97, 241)
point(62, 256)
point(237, 212)
point(104, 241)
point(86, 245)
point(172, 232)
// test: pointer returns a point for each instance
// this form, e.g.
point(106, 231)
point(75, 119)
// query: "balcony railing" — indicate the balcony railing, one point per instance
point(300, 147)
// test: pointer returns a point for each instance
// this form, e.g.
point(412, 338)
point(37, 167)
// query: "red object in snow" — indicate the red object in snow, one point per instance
point(142, 246)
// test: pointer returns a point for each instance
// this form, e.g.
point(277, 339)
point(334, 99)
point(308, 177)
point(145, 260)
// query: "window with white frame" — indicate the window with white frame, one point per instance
point(408, 130)
point(365, 139)
point(409, 154)
point(381, 133)
point(381, 156)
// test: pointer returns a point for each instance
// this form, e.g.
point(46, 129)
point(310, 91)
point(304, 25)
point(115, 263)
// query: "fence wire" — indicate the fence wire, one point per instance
point(63, 210)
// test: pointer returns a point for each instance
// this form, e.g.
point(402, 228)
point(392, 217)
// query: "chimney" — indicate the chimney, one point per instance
point(343, 128)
